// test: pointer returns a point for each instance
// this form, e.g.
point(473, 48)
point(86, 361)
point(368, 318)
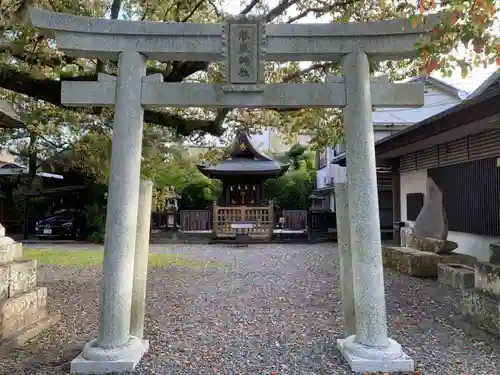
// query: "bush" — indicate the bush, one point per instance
point(96, 237)
point(96, 223)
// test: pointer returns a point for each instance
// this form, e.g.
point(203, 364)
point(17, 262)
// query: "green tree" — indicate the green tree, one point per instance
point(292, 190)
point(179, 171)
point(296, 154)
point(32, 67)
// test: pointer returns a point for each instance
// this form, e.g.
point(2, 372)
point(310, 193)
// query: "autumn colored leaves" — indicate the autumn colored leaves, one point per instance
point(465, 22)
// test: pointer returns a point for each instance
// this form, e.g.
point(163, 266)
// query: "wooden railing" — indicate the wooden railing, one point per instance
point(159, 220)
point(295, 219)
point(261, 217)
point(195, 220)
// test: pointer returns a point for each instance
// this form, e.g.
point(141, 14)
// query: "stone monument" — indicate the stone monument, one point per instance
point(428, 245)
point(244, 44)
point(23, 313)
point(430, 231)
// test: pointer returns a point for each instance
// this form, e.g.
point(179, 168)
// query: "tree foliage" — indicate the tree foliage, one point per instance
point(179, 171)
point(31, 71)
point(292, 190)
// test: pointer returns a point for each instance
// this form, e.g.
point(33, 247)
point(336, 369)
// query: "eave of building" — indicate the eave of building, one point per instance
point(470, 117)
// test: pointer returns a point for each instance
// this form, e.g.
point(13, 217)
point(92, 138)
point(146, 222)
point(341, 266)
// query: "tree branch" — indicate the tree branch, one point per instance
point(299, 73)
point(216, 11)
point(115, 9)
point(249, 7)
point(280, 9)
point(195, 8)
point(32, 58)
point(49, 91)
point(321, 10)
point(58, 153)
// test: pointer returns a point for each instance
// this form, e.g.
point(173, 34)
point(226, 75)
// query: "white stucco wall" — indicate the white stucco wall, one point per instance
point(471, 244)
point(411, 182)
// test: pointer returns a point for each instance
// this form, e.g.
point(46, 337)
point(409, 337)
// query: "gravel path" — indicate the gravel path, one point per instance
point(272, 308)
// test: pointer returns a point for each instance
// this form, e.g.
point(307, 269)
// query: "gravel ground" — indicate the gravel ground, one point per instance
point(273, 308)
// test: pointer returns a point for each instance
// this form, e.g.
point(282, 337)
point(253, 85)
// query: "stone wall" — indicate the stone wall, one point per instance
point(480, 305)
point(23, 304)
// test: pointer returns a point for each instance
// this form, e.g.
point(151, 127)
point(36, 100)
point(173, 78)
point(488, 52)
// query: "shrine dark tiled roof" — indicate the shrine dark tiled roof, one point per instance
point(245, 165)
point(245, 159)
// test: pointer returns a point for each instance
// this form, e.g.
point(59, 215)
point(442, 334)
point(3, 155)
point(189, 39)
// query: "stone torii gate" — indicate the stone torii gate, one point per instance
point(244, 43)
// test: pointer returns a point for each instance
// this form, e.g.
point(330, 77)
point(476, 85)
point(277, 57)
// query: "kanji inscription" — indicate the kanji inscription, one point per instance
point(243, 40)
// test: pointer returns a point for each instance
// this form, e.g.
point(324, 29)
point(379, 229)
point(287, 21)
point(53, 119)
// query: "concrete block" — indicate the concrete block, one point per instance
point(22, 277)
point(16, 278)
point(378, 362)
point(81, 365)
point(22, 310)
point(10, 251)
point(418, 263)
point(20, 337)
point(483, 310)
point(432, 245)
point(487, 278)
point(4, 281)
point(457, 275)
point(495, 253)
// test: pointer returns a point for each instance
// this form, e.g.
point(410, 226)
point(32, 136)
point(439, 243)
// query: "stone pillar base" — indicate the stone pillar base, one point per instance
point(96, 360)
point(363, 358)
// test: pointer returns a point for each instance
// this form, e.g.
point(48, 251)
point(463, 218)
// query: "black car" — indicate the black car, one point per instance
point(64, 223)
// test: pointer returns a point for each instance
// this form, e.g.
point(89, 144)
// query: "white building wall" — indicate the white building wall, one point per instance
point(435, 101)
point(471, 244)
point(411, 182)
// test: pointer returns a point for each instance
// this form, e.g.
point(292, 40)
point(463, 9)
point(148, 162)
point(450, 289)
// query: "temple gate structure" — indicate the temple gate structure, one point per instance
point(244, 44)
point(243, 175)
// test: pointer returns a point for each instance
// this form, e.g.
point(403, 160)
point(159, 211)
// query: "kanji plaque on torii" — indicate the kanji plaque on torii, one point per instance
point(243, 46)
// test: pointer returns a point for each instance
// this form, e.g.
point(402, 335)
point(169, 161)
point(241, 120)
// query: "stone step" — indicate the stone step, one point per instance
point(20, 337)
point(482, 309)
point(495, 253)
point(17, 277)
point(22, 310)
point(456, 275)
point(418, 263)
point(9, 250)
point(487, 278)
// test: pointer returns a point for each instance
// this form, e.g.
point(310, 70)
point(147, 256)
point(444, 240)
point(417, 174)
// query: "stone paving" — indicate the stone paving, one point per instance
point(267, 308)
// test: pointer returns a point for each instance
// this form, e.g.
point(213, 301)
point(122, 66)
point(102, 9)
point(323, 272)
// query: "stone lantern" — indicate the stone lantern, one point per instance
point(171, 200)
point(171, 208)
point(316, 203)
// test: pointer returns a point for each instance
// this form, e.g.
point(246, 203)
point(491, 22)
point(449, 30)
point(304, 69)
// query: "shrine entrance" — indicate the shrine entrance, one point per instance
point(244, 44)
point(243, 200)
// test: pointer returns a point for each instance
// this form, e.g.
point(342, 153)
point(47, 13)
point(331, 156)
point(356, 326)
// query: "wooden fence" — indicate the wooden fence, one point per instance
point(295, 219)
point(261, 217)
point(195, 220)
point(320, 224)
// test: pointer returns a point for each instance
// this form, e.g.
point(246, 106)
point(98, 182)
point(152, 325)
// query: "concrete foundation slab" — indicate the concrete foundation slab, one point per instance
point(81, 365)
point(379, 361)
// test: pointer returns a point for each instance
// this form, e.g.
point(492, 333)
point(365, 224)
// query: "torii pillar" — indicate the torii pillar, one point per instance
point(115, 349)
point(370, 349)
